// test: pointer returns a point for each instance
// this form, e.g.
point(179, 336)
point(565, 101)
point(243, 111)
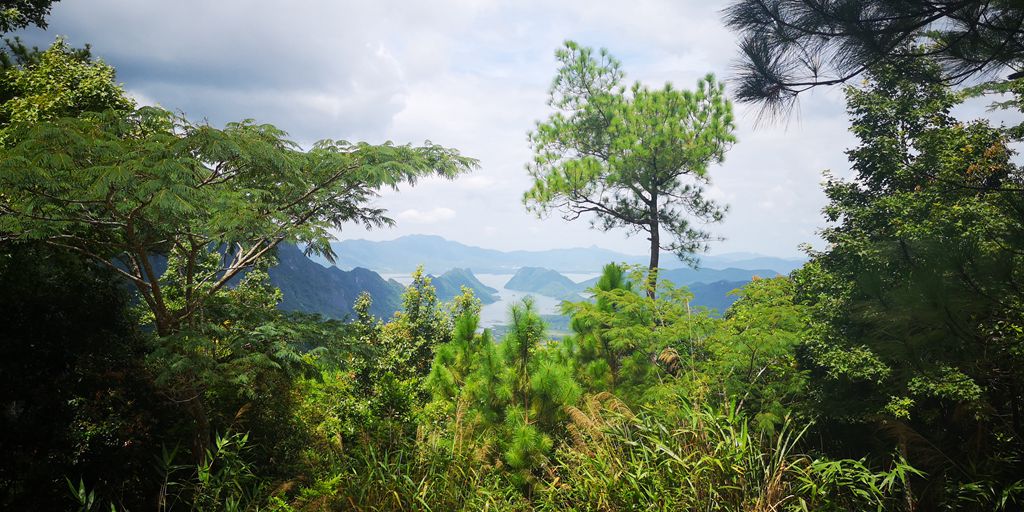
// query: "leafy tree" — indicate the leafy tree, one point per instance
point(790, 46)
point(753, 353)
point(640, 348)
point(636, 159)
point(81, 400)
point(128, 187)
point(416, 329)
point(917, 302)
point(18, 14)
point(182, 212)
point(122, 190)
point(235, 368)
point(58, 82)
point(627, 343)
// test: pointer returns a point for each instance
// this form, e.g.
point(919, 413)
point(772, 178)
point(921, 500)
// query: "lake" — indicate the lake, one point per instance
point(497, 313)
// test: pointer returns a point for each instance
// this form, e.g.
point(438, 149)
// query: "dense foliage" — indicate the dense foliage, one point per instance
point(917, 317)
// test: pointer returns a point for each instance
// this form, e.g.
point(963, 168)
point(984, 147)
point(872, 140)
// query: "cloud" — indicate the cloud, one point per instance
point(431, 216)
point(477, 182)
point(141, 99)
point(468, 74)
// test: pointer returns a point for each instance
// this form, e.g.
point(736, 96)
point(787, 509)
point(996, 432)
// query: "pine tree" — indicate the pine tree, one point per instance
point(512, 395)
point(536, 389)
point(524, 336)
point(596, 356)
point(634, 158)
point(454, 360)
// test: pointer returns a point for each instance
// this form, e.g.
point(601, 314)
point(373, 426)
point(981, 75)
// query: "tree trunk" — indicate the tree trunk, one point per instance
point(196, 408)
point(652, 270)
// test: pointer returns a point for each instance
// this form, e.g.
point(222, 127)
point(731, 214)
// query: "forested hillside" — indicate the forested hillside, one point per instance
point(308, 287)
point(165, 344)
point(545, 282)
point(451, 283)
point(330, 292)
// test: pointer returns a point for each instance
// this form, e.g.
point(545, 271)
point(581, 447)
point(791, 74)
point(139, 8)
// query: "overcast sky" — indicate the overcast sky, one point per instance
point(462, 73)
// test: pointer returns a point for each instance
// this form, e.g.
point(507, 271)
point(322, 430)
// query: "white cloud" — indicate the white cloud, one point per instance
point(141, 99)
point(469, 74)
point(431, 216)
point(477, 182)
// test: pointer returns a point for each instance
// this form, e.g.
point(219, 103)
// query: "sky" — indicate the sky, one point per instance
point(467, 74)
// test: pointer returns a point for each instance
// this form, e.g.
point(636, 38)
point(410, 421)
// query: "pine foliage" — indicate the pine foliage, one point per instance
point(790, 46)
point(633, 158)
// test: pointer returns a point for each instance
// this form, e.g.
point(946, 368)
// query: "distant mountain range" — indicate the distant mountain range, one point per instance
point(438, 255)
point(710, 288)
point(309, 287)
point(331, 292)
point(690, 276)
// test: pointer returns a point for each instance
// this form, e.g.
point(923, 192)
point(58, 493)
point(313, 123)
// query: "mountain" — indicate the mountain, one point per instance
point(715, 295)
point(404, 254)
point(746, 260)
point(690, 276)
point(449, 285)
point(437, 255)
point(687, 276)
point(712, 295)
point(580, 259)
point(329, 291)
point(544, 281)
point(312, 288)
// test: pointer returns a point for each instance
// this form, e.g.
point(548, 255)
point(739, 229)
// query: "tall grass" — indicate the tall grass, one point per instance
point(612, 459)
point(410, 478)
point(705, 459)
point(222, 481)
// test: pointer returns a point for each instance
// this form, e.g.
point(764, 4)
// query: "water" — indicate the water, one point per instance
point(497, 313)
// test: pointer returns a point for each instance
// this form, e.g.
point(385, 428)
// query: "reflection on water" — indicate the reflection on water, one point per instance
point(497, 313)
